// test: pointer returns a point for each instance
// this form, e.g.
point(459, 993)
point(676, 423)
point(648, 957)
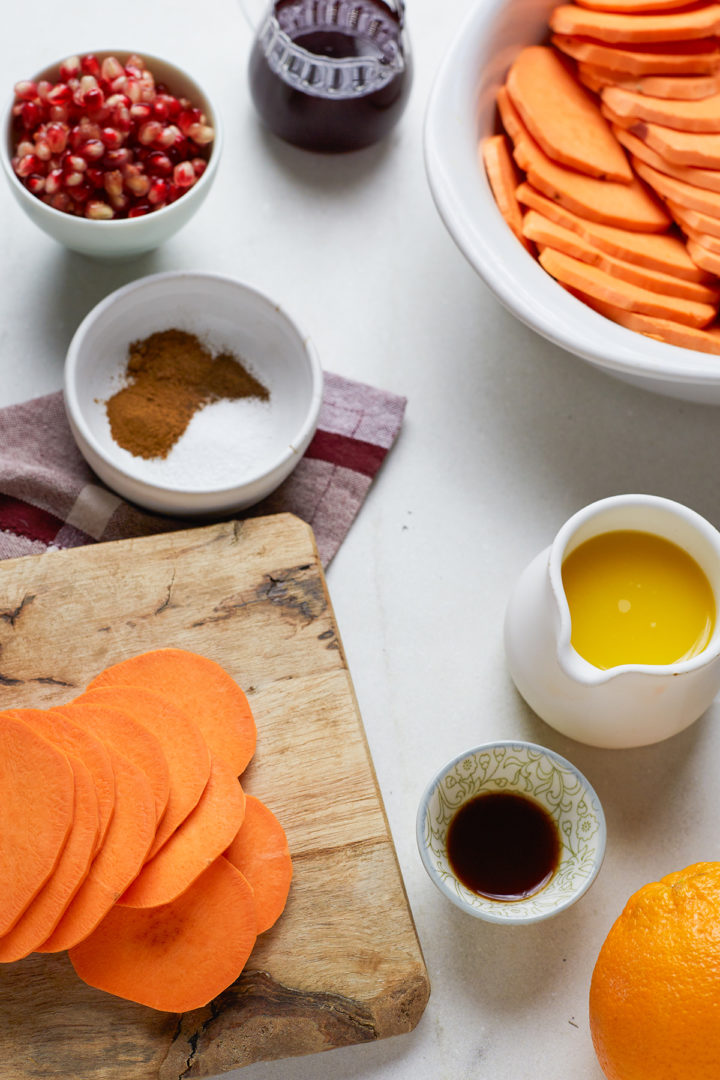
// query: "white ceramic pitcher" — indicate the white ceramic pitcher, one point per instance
point(628, 705)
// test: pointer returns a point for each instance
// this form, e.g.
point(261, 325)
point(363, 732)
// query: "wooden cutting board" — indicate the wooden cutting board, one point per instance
point(343, 964)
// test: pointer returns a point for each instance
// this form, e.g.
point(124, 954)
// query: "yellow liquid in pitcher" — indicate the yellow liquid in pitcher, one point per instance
point(636, 598)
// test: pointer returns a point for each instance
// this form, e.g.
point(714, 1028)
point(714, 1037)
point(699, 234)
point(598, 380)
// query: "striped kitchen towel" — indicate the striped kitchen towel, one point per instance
point(50, 498)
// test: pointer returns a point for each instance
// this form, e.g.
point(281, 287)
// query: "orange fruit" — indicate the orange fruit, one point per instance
point(655, 989)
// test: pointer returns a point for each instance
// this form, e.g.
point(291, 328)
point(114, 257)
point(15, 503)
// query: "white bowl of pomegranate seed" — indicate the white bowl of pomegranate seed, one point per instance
point(110, 153)
point(192, 393)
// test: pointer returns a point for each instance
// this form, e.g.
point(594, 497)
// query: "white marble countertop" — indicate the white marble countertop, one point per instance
point(505, 436)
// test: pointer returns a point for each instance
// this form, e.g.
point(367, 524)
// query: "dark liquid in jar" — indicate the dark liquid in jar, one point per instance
point(503, 846)
point(327, 121)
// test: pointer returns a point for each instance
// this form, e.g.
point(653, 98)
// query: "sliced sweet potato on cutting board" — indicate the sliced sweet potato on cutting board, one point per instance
point(117, 863)
point(201, 838)
point(202, 689)
point(41, 916)
point(678, 191)
point(179, 956)
point(675, 87)
point(260, 852)
point(547, 233)
point(186, 751)
point(115, 728)
point(503, 179)
point(702, 178)
point(628, 206)
point(37, 792)
point(665, 330)
point(562, 118)
point(594, 282)
point(688, 58)
point(698, 21)
point(700, 116)
point(657, 251)
point(74, 740)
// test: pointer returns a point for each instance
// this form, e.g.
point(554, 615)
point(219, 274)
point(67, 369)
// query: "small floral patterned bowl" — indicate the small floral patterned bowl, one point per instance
point(525, 769)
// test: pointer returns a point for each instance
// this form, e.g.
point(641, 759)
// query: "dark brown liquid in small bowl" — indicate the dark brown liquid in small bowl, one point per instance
point(503, 846)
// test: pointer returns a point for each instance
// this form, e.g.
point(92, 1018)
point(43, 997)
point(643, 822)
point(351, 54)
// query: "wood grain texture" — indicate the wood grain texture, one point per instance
point(343, 964)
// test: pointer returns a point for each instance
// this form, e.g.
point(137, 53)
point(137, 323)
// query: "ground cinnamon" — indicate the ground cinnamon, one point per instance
point(171, 375)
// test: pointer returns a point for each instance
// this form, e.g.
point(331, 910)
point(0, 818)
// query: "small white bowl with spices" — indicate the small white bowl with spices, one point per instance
point(183, 441)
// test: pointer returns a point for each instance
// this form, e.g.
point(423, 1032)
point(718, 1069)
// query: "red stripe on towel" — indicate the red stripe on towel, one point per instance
point(361, 457)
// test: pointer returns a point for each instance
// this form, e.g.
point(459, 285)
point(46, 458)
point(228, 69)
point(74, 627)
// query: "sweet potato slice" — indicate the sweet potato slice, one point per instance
point(179, 956)
point(702, 178)
point(204, 835)
point(679, 192)
point(702, 59)
point(700, 116)
point(695, 22)
point(633, 7)
point(202, 689)
point(118, 861)
point(115, 728)
point(657, 251)
point(692, 219)
point(562, 118)
point(627, 206)
point(547, 233)
point(671, 333)
point(503, 179)
point(595, 282)
point(708, 260)
point(37, 791)
point(711, 243)
point(699, 150)
point(91, 751)
point(184, 746)
point(674, 87)
point(39, 919)
point(260, 851)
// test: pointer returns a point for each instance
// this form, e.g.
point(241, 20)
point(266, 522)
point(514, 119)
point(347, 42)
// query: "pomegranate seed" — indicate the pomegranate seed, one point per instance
point(141, 112)
point(42, 148)
point(92, 150)
point(62, 201)
point(184, 175)
point(74, 163)
point(149, 132)
point(174, 192)
point(147, 87)
point(59, 114)
point(139, 210)
point(35, 184)
point(114, 182)
point(94, 99)
point(158, 164)
point(135, 63)
point(25, 147)
point(97, 210)
point(169, 104)
point(187, 118)
point(43, 88)
point(111, 68)
point(70, 68)
point(114, 159)
point(28, 163)
point(158, 191)
point(61, 94)
point(199, 165)
point(121, 119)
point(119, 203)
point(132, 89)
point(26, 90)
point(57, 136)
point(168, 137)
point(53, 181)
point(119, 84)
point(202, 134)
point(136, 182)
point(80, 193)
point(89, 65)
point(72, 179)
point(95, 176)
point(31, 114)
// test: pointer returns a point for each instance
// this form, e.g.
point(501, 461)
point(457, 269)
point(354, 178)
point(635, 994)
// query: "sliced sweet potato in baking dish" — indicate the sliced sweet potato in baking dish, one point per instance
point(700, 57)
point(700, 116)
point(503, 179)
point(589, 279)
point(694, 22)
point(629, 206)
point(693, 219)
point(674, 87)
point(702, 178)
point(562, 118)
point(665, 330)
point(547, 233)
point(657, 251)
point(681, 193)
point(701, 151)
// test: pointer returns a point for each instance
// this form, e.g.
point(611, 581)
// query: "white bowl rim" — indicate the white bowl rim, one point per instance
point(622, 352)
point(557, 759)
point(128, 225)
point(271, 465)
